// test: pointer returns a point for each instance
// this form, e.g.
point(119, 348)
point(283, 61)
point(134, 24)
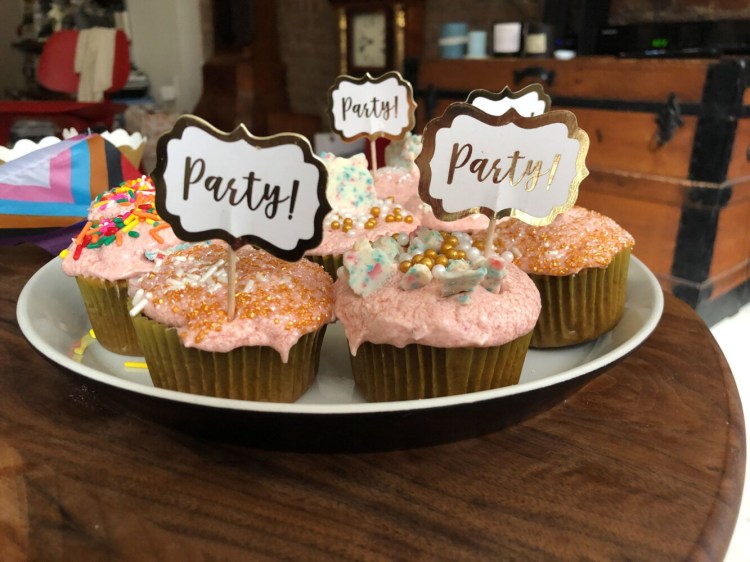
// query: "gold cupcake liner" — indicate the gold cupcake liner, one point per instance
point(245, 373)
point(581, 307)
point(107, 306)
point(330, 263)
point(385, 373)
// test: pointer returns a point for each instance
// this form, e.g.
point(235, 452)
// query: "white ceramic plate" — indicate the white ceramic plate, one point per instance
point(52, 317)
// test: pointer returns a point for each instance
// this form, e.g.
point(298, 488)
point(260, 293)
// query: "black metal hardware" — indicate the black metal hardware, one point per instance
point(668, 120)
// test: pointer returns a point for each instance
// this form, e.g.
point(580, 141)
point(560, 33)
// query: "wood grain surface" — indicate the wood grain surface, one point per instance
point(645, 462)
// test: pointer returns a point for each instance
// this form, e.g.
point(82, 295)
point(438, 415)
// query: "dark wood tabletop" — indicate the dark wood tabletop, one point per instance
point(643, 462)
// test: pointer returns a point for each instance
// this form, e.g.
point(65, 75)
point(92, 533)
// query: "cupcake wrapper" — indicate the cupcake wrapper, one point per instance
point(384, 372)
point(245, 373)
point(330, 263)
point(107, 306)
point(579, 308)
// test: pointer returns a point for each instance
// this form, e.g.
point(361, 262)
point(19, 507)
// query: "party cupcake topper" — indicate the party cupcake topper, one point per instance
point(525, 167)
point(528, 102)
point(268, 191)
point(371, 107)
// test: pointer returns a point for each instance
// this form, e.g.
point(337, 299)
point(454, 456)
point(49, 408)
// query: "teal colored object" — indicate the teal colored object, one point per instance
point(453, 39)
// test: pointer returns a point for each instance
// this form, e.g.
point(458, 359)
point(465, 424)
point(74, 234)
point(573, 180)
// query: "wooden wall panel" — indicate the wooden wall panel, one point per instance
point(626, 141)
point(587, 77)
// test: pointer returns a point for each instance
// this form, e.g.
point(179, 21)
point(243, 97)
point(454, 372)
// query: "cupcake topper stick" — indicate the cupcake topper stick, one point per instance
point(266, 191)
point(373, 156)
point(231, 281)
point(371, 107)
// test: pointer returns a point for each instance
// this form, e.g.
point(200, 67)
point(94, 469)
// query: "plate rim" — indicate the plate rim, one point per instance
point(61, 359)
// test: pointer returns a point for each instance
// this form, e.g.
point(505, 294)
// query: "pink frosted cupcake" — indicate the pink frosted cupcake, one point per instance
point(357, 213)
point(426, 320)
point(109, 250)
point(268, 351)
point(580, 263)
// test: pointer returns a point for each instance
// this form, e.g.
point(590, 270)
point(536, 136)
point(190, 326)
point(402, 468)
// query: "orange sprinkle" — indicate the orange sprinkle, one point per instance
point(83, 232)
point(155, 236)
point(160, 226)
point(118, 238)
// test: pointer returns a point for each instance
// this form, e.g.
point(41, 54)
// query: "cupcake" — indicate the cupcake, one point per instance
point(579, 262)
point(270, 349)
point(109, 250)
point(424, 319)
point(357, 212)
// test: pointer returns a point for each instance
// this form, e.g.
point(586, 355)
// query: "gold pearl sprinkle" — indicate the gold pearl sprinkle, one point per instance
point(408, 219)
point(375, 211)
point(335, 225)
point(404, 266)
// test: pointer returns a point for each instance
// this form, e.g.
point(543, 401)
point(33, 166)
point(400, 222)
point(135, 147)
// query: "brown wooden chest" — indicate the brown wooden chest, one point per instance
point(669, 155)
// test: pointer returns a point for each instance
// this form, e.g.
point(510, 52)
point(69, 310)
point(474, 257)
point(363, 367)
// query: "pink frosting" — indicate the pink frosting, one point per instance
point(576, 239)
point(337, 242)
point(423, 212)
point(114, 262)
point(400, 183)
point(397, 317)
point(277, 302)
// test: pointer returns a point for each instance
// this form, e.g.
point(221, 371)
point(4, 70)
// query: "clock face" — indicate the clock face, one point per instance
point(369, 40)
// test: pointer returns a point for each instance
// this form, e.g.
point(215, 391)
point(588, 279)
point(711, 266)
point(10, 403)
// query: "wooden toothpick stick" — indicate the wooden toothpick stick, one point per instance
point(231, 281)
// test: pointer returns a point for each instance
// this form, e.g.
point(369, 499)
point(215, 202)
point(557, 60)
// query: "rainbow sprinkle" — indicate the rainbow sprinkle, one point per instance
point(137, 197)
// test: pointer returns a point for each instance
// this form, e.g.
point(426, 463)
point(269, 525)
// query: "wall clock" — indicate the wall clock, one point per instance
point(371, 36)
point(368, 40)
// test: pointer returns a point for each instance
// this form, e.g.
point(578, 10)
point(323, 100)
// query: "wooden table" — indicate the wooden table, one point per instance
point(645, 462)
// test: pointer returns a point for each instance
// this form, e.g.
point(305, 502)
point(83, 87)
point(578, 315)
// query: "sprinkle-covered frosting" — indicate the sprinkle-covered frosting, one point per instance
point(577, 239)
point(112, 247)
point(276, 301)
point(433, 288)
point(357, 212)
point(118, 200)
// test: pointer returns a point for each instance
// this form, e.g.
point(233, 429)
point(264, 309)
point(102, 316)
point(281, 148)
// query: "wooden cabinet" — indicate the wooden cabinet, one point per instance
point(670, 142)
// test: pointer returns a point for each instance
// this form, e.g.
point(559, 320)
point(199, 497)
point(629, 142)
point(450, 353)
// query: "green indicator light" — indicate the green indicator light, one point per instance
point(659, 42)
